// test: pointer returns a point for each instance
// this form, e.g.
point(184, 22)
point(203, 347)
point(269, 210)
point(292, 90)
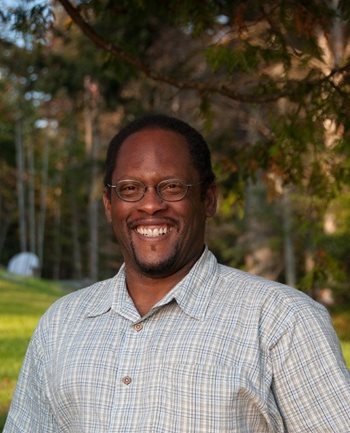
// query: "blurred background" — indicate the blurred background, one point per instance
point(267, 83)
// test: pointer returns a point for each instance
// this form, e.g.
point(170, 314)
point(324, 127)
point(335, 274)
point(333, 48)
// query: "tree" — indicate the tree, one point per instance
point(268, 81)
point(255, 52)
point(290, 58)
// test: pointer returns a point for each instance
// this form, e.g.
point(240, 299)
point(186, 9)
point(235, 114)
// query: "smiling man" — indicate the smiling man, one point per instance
point(177, 342)
point(157, 203)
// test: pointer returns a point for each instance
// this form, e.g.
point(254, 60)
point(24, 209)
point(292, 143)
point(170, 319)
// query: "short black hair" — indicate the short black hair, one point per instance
point(197, 145)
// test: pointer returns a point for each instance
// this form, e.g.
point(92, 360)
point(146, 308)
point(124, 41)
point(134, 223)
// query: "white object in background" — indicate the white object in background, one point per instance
point(26, 264)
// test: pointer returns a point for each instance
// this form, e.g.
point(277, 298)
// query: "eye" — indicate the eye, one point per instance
point(172, 187)
point(129, 188)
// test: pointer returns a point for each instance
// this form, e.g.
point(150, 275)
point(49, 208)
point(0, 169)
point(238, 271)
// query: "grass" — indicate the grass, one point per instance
point(341, 321)
point(346, 352)
point(23, 301)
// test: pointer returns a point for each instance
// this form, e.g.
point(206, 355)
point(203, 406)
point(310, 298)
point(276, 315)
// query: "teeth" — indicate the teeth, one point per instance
point(144, 231)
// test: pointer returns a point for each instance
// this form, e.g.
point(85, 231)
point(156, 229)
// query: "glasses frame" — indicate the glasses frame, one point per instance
point(156, 187)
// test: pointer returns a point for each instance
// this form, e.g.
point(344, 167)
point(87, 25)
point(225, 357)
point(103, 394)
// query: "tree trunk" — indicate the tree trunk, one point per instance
point(92, 144)
point(57, 238)
point(289, 256)
point(43, 197)
point(260, 257)
point(31, 197)
point(77, 265)
point(4, 226)
point(93, 220)
point(337, 33)
point(20, 184)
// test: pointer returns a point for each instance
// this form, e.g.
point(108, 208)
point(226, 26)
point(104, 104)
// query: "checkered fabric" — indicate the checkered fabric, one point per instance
point(224, 351)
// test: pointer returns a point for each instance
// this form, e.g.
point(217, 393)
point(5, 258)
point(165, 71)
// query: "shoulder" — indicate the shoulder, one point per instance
point(273, 307)
point(82, 300)
point(233, 287)
point(76, 306)
point(255, 289)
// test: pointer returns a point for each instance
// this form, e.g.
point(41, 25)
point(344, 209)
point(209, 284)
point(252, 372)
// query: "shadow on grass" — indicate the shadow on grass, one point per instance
point(3, 416)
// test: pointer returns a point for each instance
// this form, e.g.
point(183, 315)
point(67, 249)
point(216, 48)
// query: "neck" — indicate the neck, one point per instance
point(146, 291)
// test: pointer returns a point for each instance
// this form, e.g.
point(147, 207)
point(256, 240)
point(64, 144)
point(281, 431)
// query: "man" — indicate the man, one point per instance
point(176, 342)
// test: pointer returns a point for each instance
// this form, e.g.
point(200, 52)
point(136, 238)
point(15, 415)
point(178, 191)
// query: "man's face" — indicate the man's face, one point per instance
point(151, 156)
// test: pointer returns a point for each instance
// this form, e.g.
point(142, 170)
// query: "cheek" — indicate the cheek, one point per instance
point(119, 212)
point(121, 233)
point(194, 220)
point(118, 221)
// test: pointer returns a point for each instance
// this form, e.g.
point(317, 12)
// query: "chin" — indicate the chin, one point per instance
point(158, 269)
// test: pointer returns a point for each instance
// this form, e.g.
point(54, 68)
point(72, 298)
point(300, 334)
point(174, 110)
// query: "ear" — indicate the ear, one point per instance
point(107, 205)
point(210, 200)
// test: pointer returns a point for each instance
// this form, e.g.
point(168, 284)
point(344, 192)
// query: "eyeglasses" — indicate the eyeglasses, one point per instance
point(167, 190)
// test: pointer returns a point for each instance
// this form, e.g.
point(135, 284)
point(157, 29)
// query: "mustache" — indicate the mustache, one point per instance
point(151, 221)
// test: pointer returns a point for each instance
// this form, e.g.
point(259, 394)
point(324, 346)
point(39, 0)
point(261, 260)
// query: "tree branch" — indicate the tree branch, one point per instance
point(203, 87)
point(120, 53)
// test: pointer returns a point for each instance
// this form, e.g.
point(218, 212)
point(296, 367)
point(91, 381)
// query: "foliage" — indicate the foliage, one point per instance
point(341, 320)
point(268, 81)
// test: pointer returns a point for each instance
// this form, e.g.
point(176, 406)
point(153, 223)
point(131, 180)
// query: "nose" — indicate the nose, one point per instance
point(151, 202)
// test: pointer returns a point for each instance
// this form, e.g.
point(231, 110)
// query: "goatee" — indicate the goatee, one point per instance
point(160, 269)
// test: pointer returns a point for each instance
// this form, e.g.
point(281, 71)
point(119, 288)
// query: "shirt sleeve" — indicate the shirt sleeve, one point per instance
point(311, 383)
point(30, 410)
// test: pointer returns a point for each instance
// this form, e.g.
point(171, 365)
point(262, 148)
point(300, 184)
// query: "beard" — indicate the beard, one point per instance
point(161, 268)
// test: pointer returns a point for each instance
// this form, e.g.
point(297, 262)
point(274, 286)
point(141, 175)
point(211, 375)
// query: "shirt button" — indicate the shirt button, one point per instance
point(126, 380)
point(138, 327)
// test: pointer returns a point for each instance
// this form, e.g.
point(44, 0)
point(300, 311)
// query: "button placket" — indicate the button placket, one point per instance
point(137, 327)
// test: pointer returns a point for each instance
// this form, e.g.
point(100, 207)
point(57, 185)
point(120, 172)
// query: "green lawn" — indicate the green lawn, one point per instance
point(23, 301)
point(346, 351)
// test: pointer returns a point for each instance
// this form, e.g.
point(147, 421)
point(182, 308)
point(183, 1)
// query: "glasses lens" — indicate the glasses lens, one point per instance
point(172, 190)
point(130, 190)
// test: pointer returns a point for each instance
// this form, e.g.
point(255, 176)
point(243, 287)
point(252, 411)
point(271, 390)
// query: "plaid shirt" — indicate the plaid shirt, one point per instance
point(224, 351)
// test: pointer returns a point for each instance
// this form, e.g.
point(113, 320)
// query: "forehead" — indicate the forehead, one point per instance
point(154, 150)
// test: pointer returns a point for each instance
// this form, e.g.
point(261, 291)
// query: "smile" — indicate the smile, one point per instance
point(153, 232)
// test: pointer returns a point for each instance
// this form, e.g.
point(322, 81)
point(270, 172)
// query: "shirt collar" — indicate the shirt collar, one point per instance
point(192, 293)
point(101, 297)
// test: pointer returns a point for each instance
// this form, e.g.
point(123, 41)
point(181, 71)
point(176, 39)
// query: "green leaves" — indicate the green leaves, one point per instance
point(228, 60)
